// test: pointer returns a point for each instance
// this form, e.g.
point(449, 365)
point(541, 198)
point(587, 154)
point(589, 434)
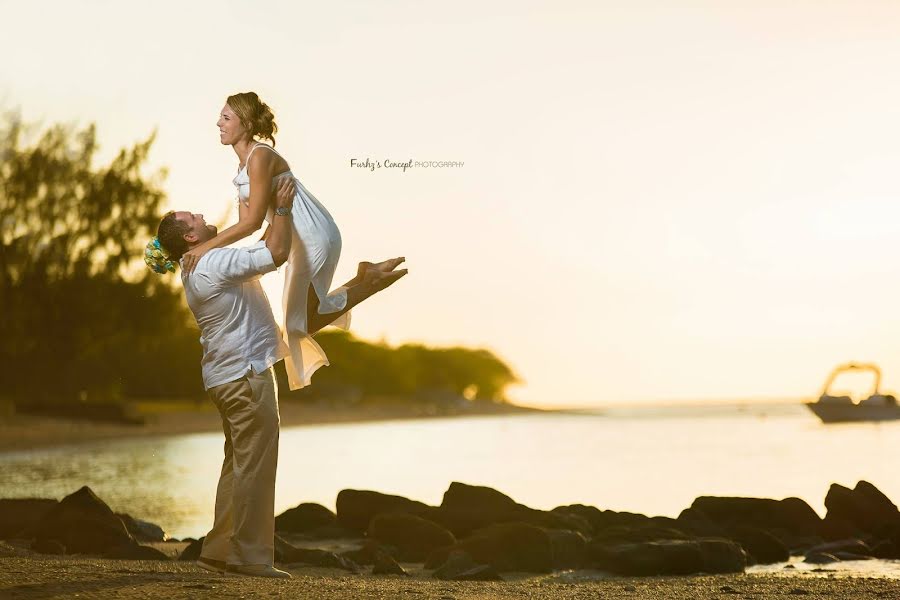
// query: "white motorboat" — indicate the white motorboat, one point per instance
point(842, 409)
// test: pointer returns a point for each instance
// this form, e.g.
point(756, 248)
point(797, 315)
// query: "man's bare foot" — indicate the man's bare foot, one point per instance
point(379, 280)
point(385, 266)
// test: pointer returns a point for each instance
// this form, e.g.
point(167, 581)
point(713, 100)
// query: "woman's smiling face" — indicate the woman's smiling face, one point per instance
point(231, 130)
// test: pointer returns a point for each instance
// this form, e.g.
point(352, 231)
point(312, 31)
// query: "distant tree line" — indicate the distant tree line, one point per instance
point(82, 319)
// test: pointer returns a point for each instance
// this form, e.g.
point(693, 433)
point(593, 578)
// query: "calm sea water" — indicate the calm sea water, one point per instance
point(651, 460)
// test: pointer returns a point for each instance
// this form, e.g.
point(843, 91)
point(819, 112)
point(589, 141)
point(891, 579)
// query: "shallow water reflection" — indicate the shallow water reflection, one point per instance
point(653, 461)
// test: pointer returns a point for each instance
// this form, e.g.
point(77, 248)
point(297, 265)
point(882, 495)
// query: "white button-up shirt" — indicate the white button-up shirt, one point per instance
point(237, 329)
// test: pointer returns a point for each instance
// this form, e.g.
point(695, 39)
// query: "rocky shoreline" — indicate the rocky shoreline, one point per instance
point(480, 534)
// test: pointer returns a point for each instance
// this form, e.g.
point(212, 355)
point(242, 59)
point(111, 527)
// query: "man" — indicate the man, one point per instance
point(241, 342)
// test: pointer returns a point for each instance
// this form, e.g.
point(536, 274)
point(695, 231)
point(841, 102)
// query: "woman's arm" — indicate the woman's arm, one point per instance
point(278, 234)
point(249, 219)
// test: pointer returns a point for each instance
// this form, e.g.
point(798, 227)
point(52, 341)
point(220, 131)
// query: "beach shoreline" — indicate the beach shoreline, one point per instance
point(30, 432)
point(37, 576)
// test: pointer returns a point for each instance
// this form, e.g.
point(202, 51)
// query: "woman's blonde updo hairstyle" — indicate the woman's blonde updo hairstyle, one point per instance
point(255, 115)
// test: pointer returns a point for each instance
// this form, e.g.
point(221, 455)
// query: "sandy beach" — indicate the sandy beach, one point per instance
point(65, 577)
point(23, 432)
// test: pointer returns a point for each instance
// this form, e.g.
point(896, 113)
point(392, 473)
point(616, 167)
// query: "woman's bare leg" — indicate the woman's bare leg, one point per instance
point(361, 287)
point(312, 299)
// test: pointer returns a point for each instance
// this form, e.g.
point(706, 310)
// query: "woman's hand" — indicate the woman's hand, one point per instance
point(284, 194)
point(191, 258)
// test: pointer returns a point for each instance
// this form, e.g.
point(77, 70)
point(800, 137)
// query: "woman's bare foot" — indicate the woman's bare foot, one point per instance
point(379, 280)
point(385, 266)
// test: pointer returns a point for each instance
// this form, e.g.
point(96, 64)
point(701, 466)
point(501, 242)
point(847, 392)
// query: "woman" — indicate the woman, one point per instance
point(315, 246)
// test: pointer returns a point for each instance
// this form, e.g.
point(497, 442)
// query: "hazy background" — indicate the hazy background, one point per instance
point(657, 202)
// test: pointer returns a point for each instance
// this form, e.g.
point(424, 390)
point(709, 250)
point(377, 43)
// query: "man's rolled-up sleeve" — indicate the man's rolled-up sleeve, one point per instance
point(237, 265)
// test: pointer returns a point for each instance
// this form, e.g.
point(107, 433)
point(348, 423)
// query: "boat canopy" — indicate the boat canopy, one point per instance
point(852, 367)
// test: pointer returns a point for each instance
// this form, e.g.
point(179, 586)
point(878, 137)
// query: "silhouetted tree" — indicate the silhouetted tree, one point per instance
point(81, 315)
point(410, 370)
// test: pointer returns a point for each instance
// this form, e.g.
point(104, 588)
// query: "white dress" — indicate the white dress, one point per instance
point(315, 250)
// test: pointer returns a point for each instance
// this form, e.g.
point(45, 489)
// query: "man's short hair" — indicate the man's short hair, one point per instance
point(171, 234)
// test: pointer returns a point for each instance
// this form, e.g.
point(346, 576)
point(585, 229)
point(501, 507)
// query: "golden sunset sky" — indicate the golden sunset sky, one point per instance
point(659, 200)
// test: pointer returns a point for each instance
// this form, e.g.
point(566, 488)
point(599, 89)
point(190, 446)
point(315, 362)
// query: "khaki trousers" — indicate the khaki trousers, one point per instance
point(244, 527)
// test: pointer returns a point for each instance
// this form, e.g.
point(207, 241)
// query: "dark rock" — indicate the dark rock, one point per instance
point(368, 552)
point(645, 531)
point(136, 552)
point(889, 530)
point(386, 565)
point(464, 497)
point(864, 507)
point(800, 544)
point(463, 522)
point(287, 553)
point(48, 547)
point(660, 557)
point(696, 523)
point(568, 548)
point(439, 557)
point(668, 522)
point(764, 547)
point(466, 508)
point(452, 563)
point(320, 558)
point(192, 552)
point(331, 532)
point(584, 512)
point(505, 546)
point(414, 536)
point(669, 557)
point(722, 556)
point(83, 523)
point(305, 517)
point(552, 520)
point(853, 545)
point(611, 518)
point(602, 519)
point(885, 549)
point(820, 558)
point(792, 515)
point(835, 528)
point(479, 573)
point(459, 566)
point(356, 508)
point(19, 514)
point(578, 521)
point(851, 556)
point(142, 531)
